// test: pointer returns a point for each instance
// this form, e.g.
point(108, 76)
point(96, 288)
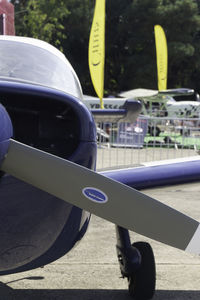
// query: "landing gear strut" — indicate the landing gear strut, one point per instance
point(137, 264)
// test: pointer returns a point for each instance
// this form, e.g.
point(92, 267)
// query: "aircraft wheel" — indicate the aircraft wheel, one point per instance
point(142, 282)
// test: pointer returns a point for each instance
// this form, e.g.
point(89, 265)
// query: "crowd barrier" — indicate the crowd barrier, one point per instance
point(148, 139)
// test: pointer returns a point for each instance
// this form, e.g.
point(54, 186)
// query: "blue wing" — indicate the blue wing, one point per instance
point(152, 175)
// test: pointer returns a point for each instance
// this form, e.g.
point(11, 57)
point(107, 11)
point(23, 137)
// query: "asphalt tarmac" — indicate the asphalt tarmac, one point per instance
point(91, 270)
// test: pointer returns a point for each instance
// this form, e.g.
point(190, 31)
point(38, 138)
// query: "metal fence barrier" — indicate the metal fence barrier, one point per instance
point(148, 139)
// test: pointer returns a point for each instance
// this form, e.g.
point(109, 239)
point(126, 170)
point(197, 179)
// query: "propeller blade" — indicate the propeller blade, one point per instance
point(102, 196)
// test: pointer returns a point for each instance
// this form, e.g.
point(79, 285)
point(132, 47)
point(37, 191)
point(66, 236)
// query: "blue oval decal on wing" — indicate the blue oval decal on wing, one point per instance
point(95, 195)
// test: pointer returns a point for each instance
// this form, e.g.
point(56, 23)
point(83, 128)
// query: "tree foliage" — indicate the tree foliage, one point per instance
point(41, 19)
point(77, 27)
point(130, 45)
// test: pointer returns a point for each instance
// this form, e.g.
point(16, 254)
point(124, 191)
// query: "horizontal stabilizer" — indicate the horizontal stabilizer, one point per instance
point(177, 92)
point(154, 95)
point(128, 113)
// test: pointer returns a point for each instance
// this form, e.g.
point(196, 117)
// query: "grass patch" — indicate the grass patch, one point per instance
point(171, 140)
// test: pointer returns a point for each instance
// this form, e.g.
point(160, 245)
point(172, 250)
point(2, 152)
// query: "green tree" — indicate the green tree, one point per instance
point(130, 45)
point(41, 19)
point(20, 11)
point(131, 60)
point(183, 41)
point(77, 28)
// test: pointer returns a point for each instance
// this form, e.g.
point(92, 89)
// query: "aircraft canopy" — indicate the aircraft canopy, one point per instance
point(25, 62)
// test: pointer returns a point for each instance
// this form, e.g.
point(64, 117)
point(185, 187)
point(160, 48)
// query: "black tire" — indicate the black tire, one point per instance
point(142, 282)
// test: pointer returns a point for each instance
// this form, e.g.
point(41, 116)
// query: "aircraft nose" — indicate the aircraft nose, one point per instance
point(6, 132)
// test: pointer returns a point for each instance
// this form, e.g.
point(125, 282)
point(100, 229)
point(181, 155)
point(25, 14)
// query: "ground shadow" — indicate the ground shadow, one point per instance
point(8, 293)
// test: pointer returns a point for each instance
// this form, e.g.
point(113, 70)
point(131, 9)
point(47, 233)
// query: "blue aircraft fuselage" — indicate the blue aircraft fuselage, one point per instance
point(35, 227)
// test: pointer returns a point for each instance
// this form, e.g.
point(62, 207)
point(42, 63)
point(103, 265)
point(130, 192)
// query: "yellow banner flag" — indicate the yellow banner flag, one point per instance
point(162, 57)
point(97, 49)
